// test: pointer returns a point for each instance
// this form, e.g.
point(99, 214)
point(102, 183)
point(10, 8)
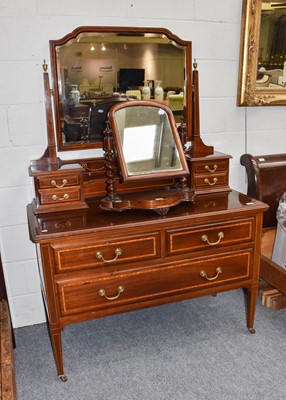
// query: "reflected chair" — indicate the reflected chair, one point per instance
point(98, 117)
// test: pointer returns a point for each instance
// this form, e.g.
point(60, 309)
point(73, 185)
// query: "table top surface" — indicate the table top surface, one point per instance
point(206, 208)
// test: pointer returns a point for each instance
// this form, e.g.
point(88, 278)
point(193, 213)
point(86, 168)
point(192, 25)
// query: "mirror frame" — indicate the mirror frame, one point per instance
point(184, 171)
point(128, 30)
point(248, 94)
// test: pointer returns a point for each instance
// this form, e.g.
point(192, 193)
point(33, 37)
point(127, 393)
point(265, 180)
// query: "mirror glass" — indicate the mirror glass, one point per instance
point(262, 76)
point(146, 141)
point(91, 67)
point(271, 65)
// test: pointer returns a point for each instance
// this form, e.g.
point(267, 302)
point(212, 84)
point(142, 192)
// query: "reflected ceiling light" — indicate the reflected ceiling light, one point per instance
point(92, 48)
point(125, 46)
point(103, 48)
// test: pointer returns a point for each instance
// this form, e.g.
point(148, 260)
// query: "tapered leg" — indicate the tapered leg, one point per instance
point(56, 340)
point(251, 300)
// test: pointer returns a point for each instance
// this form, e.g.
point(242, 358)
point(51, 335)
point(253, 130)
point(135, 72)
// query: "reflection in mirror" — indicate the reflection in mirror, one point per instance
point(262, 71)
point(147, 141)
point(272, 46)
point(107, 64)
point(141, 139)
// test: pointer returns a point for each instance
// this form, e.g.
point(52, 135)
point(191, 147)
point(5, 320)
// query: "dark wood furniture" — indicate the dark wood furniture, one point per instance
point(94, 263)
point(7, 342)
point(3, 295)
point(7, 372)
point(266, 176)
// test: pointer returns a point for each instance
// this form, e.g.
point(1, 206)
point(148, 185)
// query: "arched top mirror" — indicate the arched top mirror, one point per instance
point(262, 72)
point(147, 142)
point(95, 64)
point(142, 143)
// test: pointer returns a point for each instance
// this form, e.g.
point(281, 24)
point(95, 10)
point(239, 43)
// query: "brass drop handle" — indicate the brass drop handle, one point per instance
point(65, 197)
point(66, 224)
point(203, 274)
point(211, 183)
point(205, 238)
point(211, 170)
point(117, 252)
point(54, 183)
point(102, 293)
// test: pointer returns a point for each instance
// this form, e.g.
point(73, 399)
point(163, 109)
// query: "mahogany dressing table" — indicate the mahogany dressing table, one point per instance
point(114, 234)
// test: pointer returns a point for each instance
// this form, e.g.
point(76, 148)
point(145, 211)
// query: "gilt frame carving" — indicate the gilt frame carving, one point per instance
point(248, 93)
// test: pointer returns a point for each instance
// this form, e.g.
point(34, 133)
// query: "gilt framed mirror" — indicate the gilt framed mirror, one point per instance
point(142, 143)
point(95, 64)
point(262, 69)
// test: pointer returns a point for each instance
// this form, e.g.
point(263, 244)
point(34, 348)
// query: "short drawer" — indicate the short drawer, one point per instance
point(210, 180)
point(55, 196)
point(210, 167)
point(59, 182)
point(61, 223)
point(93, 252)
point(188, 240)
point(93, 293)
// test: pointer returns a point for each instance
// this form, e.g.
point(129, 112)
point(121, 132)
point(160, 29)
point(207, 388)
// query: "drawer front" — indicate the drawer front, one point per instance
point(91, 293)
point(186, 240)
point(211, 167)
point(108, 253)
point(59, 196)
point(58, 182)
point(61, 224)
point(210, 180)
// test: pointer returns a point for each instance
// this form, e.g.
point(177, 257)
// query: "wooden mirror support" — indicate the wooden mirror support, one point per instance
point(131, 124)
point(64, 183)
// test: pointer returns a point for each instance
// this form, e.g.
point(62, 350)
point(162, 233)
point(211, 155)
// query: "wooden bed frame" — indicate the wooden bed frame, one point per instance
point(266, 175)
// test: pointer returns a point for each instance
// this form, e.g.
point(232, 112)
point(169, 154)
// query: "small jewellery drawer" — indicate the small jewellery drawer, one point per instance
point(211, 167)
point(58, 182)
point(92, 253)
point(92, 293)
point(189, 240)
point(211, 180)
point(54, 196)
point(61, 223)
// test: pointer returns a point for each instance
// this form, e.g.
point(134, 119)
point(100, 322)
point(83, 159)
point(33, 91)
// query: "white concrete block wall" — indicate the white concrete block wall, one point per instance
point(26, 28)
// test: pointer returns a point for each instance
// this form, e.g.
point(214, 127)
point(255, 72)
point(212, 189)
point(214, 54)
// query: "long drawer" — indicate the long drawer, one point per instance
point(93, 252)
point(94, 292)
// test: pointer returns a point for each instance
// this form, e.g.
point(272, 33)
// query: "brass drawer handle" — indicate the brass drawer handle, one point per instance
point(211, 183)
point(54, 183)
point(66, 224)
point(211, 170)
point(203, 274)
point(205, 238)
point(117, 252)
point(102, 293)
point(65, 197)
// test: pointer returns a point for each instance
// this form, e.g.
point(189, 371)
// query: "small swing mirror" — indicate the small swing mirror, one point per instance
point(147, 145)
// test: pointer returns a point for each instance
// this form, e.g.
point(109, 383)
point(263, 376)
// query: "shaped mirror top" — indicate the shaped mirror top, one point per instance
point(94, 64)
point(146, 140)
point(141, 139)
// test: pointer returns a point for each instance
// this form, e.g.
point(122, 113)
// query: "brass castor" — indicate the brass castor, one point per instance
point(252, 330)
point(63, 378)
